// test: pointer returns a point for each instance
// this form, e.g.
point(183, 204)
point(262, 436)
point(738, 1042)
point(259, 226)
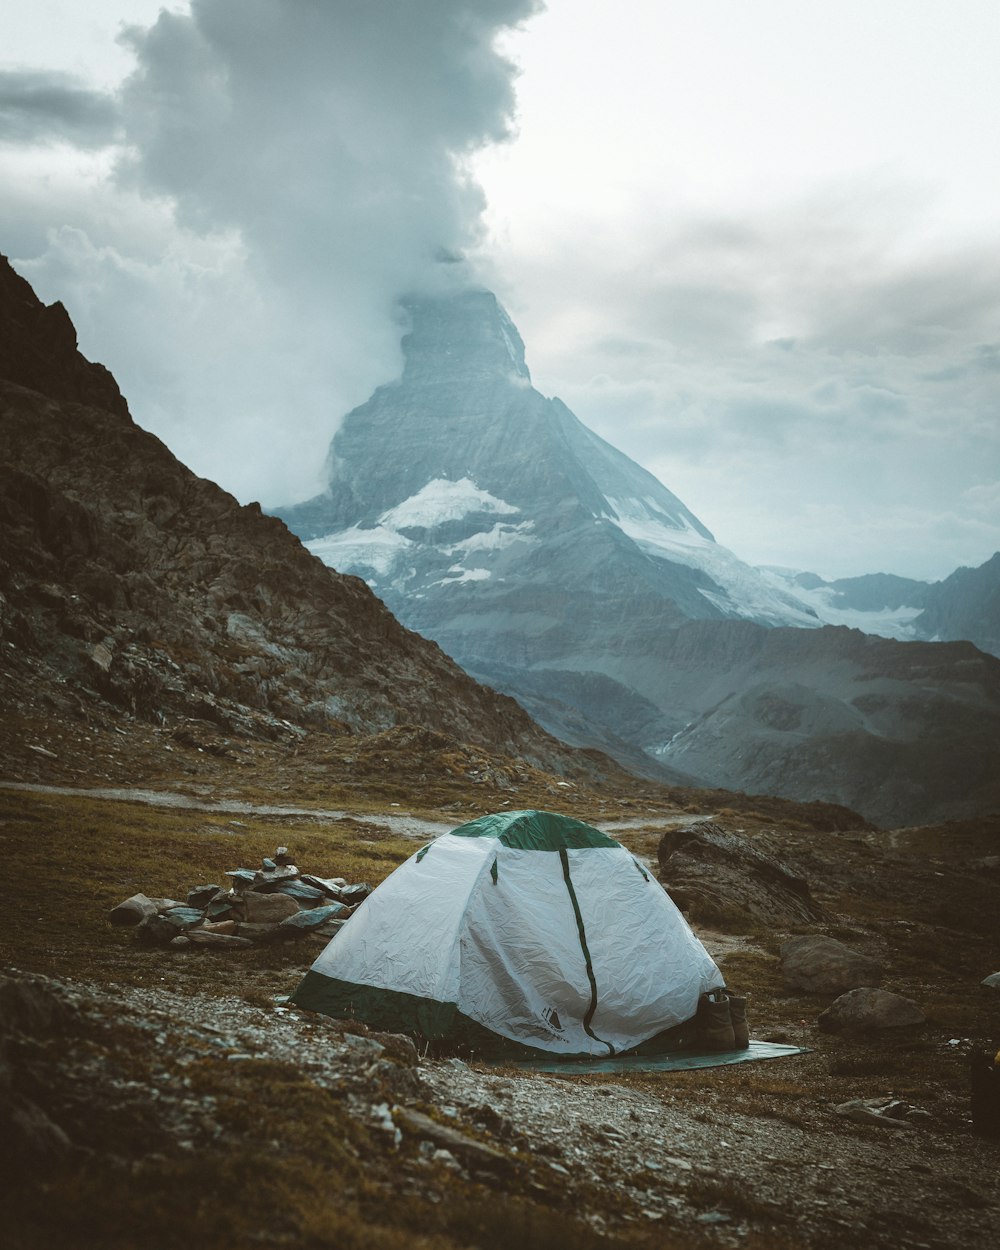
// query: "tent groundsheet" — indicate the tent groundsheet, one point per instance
point(677, 1061)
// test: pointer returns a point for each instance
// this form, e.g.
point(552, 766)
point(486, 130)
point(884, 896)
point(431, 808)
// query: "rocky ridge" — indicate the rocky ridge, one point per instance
point(129, 584)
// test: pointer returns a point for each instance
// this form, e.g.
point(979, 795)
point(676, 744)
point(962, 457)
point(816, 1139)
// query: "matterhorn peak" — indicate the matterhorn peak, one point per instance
point(460, 336)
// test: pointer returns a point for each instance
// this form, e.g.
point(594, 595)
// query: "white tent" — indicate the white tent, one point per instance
point(519, 930)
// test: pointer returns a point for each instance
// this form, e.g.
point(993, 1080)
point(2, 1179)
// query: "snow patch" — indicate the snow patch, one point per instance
point(495, 539)
point(883, 622)
point(442, 500)
point(355, 548)
point(742, 589)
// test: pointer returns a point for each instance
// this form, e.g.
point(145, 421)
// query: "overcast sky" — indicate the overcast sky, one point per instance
point(753, 243)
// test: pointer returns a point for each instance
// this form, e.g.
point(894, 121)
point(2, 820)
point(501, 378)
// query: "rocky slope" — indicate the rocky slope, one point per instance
point(903, 732)
point(128, 583)
point(965, 605)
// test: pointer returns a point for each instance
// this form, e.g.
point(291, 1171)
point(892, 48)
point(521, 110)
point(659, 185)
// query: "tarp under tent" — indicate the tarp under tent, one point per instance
point(518, 933)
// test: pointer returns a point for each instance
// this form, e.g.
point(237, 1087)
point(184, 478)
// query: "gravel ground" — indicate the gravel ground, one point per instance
point(674, 1153)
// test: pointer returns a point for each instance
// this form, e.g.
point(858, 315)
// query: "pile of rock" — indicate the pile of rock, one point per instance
point(273, 903)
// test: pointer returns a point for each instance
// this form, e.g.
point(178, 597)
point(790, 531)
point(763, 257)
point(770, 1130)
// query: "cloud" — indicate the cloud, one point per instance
point(785, 371)
point(38, 106)
point(288, 169)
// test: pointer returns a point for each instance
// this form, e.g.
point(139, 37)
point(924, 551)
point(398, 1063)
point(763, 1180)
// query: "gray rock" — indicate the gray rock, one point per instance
point(314, 918)
point(304, 895)
point(991, 982)
point(202, 895)
point(870, 1111)
point(465, 1148)
point(822, 965)
point(282, 857)
point(162, 928)
point(870, 1010)
point(212, 938)
point(722, 878)
point(271, 876)
point(354, 894)
point(257, 908)
point(133, 910)
point(243, 878)
point(329, 885)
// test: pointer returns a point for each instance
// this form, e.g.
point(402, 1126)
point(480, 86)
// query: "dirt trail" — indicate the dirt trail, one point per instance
point(401, 823)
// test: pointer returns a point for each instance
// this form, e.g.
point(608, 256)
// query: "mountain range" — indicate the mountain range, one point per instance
point(554, 568)
point(964, 605)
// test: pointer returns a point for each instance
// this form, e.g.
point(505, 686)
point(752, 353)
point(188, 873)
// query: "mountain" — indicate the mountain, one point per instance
point(134, 592)
point(556, 569)
point(963, 606)
point(491, 520)
point(910, 731)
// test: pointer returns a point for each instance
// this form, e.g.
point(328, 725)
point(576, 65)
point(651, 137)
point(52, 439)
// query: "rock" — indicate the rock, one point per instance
point(305, 895)
point(868, 1111)
point(282, 857)
point(822, 965)
point(314, 918)
point(133, 910)
point(269, 864)
point(354, 894)
point(721, 878)
point(221, 926)
point(161, 929)
point(870, 1010)
point(31, 1005)
point(202, 895)
point(259, 934)
point(330, 886)
point(220, 909)
point(243, 878)
point(271, 876)
point(992, 982)
point(257, 908)
point(210, 937)
point(329, 928)
point(466, 1148)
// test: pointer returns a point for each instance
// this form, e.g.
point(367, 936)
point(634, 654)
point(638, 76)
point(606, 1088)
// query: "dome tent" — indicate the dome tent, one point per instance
point(518, 932)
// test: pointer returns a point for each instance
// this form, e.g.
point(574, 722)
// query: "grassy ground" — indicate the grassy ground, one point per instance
point(288, 1162)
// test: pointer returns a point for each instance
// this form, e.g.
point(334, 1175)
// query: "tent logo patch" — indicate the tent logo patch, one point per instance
point(551, 1017)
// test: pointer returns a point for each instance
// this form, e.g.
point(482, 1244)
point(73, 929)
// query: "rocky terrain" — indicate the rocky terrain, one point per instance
point(172, 1093)
point(132, 591)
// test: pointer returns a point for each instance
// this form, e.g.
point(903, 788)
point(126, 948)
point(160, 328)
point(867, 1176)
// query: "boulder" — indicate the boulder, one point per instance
point(330, 886)
point(305, 921)
point(133, 910)
point(470, 1151)
point(822, 965)
point(257, 908)
point(161, 928)
point(870, 1010)
point(202, 895)
point(992, 982)
point(304, 895)
point(722, 878)
point(870, 1111)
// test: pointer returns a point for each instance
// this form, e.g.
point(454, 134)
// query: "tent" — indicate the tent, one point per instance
point(517, 933)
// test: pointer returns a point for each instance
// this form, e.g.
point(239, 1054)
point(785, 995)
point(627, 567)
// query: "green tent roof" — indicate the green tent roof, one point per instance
point(535, 831)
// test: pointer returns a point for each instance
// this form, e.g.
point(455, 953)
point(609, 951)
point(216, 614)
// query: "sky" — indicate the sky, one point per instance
point(752, 243)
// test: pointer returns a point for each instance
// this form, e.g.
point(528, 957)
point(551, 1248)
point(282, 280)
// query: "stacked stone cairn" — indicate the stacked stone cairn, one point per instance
point(273, 903)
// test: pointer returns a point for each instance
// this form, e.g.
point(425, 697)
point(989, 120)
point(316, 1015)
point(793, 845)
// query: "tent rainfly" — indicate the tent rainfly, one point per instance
point(516, 933)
